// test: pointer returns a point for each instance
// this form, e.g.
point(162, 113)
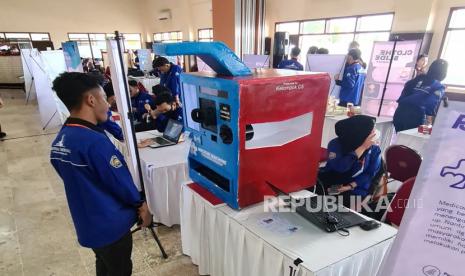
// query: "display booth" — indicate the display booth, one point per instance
point(392, 64)
point(256, 61)
point(331, 64)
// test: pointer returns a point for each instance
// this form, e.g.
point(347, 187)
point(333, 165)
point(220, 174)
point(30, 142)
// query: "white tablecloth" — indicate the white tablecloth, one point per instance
point(148, 83)
point(383, 124)
point(164, 170)
point(222, 241)
point(412, 139)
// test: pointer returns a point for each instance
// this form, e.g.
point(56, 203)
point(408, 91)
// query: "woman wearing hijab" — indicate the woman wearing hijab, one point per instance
point(420, 98)
point(354, 159)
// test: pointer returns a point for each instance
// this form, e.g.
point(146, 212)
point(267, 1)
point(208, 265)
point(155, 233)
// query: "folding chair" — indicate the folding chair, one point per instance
point(399, 203)
point(402, 162)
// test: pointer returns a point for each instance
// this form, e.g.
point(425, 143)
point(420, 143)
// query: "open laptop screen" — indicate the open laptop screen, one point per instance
point(173, 130)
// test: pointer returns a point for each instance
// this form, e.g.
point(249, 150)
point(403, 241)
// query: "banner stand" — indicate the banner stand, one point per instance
point(129, 131)
point(29, 91)
point(387, 77)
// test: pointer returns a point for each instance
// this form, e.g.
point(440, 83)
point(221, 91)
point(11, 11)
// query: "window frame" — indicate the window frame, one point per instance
point(444, 36)
point(29, 34)
point(206, 39)
point(168, 40)
point(326, 32)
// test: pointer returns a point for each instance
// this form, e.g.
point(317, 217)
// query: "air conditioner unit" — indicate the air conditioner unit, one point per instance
point(164, 15)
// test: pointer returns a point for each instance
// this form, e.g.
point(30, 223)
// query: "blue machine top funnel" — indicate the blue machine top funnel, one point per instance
point(215, 54)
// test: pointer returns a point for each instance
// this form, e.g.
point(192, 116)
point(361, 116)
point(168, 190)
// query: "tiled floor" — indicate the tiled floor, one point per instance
point(36, 232)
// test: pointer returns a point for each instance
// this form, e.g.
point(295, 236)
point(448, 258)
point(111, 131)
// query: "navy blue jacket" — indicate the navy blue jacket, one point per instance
point(291, 64)
point(425, 98)
point(361, 171)
point(351, 84)
point(112, 127)
point(171, 80)
point(139, 101)
point(162, 119)
point(101, 194)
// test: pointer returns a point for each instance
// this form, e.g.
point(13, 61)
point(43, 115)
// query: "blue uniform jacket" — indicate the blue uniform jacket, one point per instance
point(171, 80)
point(351, 84)
point(112, 127)
point(139, 101)
point(424, 97)
point(162, 119)
point(291, 64)
point(361, 171)
point(101, 194)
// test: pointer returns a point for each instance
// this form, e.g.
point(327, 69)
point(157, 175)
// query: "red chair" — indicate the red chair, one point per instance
point(402, 162)
point(400, 202)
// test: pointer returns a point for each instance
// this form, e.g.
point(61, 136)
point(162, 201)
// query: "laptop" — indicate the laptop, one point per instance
point(170, 136)
point(328, 220)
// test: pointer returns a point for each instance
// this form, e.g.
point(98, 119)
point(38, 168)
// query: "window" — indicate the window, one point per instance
point(132, 41)
point(452, 47)
point(85, 41)
point(25, 36)
point(335, 34)
point(205, 34)
point(168, 37)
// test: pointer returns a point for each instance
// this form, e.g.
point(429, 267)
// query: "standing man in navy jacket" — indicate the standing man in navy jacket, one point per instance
point(169, 76)
point(102, 197)
point(352, 80)
point(293, 63)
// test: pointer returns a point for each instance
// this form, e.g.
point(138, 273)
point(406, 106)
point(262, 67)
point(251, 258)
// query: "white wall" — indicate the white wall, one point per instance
point(186, 15)
point(58, 17)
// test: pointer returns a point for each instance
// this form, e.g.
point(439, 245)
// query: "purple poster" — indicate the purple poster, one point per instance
point(404, 57)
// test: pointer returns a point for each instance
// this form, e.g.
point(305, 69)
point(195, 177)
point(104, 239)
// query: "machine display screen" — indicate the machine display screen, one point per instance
point(214, 92)
point(208, 108)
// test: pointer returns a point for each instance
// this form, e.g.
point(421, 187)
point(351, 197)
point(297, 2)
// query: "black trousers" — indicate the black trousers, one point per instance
point(114, 259)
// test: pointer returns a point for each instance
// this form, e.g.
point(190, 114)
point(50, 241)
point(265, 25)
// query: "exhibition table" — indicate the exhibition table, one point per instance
point(147, 82)
point(164, 170)
point(413, 139)
point(223, 241)
point(383, 124)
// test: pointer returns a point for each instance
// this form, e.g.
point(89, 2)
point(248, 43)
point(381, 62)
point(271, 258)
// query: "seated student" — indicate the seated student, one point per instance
point(166, 108)
point(169, 76)
point(353, 160)
point(352, 80)
point(292, 64)
point(420, 98)
point(138, 100)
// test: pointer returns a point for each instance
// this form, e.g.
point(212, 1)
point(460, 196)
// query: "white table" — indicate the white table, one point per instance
point(147, 82)
point(222, 241)
point(383, 124)
point(412, 139)
point(164, 170)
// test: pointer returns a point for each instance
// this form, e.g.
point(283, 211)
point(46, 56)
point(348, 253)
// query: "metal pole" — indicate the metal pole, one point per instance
point(387, 77)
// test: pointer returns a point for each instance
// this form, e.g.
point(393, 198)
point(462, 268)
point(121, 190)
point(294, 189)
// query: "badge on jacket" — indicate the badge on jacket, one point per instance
point(115, 163)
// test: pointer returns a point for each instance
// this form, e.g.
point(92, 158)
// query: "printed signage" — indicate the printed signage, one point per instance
point(431, 238)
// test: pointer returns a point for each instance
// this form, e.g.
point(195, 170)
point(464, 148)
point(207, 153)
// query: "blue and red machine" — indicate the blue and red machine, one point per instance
point(253, 132)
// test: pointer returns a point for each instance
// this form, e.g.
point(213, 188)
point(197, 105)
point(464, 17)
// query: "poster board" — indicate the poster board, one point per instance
point(72, 57)
point(402, 69)
point(431, 237)
point(145, 59)
point(26, 60)
point(331, 64)
point(256, 61)
point(119, 87)
point(46, 66)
